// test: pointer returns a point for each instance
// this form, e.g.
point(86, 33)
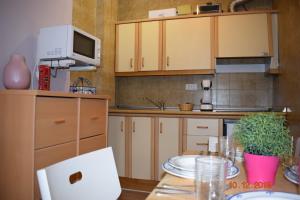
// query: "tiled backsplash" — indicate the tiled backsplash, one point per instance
point(228, 90)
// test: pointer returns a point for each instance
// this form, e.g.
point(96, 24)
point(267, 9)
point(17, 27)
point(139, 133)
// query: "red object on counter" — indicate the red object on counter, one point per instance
point(44, 77)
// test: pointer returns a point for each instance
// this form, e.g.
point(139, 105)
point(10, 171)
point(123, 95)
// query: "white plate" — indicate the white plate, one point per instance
point(264, 195)
point(291, 176)
point(187, 162)
point(234, 171)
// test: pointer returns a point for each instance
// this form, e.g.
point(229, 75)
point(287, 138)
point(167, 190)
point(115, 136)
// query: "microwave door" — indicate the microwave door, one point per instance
point(83, 45)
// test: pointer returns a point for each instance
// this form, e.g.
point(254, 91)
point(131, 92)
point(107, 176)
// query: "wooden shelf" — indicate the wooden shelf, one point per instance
point(200, 15)
point(165, 73)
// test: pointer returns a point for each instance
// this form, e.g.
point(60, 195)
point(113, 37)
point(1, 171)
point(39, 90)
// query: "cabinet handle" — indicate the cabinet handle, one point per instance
point(133, 126)
point(168, 61)
point(160, 127)
point(122, 123)
point(199, 143)
point(131, 63)
point(203, 127)
point(60, 121)
point(143, 62)
point(94, 118)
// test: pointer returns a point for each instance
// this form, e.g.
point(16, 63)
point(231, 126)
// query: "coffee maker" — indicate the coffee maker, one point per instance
point(206, 101)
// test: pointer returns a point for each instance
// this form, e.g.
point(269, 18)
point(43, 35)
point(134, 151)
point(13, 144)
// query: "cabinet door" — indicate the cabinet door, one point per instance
point(197, 132)
point(56, 121)
point(50, 155)
point(141, 148)
point(116, 139)
point(92, 144)
point(126, 47)
point(188, 44)
point(244, 36)
point(150, 46)
point(93, 117)
point(168, 141)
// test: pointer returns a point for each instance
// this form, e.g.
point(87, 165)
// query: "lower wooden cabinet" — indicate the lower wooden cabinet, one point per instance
point(116, 139)
point(50, 155)
point(142, 148)
point(132, 140)
point(40, 128)
point(92, 143)
point(142, 144)
point(196, 133)
point(168, 141)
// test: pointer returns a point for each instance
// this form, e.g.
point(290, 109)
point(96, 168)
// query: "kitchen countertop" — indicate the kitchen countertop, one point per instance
point(52, 94)
point(235, 114)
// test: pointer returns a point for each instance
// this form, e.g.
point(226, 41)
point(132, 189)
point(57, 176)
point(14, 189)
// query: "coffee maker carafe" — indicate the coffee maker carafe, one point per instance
point(206, 101)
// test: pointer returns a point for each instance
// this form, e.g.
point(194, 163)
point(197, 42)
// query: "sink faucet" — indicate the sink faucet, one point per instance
point(159, 104)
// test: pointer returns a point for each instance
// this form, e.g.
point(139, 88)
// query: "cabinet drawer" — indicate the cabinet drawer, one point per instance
point(202, 127)
point(92, 117)
point(91, 144)
point(197, 143)
point(47, 156)
point(55, 121)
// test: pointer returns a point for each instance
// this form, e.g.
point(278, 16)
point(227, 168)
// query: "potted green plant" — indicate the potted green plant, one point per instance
point(265, 139)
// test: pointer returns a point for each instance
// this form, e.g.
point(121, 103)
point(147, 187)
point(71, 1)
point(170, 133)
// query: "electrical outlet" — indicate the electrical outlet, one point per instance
point(192, 86)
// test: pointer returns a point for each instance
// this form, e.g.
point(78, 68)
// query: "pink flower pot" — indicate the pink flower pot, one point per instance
point(16, 74)
point(261, 169)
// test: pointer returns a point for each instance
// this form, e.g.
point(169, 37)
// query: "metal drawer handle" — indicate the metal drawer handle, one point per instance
point(204, 127)
point(168, 61)
point(94, 118)
point(131, 63)
point(160, 127)
point(199, 143)
point(122, 126)
point(133, 126)
point(143, 65)
point(60, 121)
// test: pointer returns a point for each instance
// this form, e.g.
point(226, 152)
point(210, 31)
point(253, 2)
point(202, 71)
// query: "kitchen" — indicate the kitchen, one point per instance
point(228, 90)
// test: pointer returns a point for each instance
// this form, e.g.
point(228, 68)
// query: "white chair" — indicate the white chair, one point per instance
point(91, 176)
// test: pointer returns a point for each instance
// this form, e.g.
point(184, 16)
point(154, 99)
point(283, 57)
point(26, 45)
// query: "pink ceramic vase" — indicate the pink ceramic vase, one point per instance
point(16, 74)
point(261, 169)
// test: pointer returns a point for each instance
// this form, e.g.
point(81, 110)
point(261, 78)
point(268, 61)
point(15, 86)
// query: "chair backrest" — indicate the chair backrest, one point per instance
point(89, 176)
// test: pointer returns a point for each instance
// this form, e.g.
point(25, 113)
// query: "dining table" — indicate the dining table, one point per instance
point(235, 185)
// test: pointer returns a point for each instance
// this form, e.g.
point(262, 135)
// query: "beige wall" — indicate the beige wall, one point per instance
point(287, 85)
point(98, 17)
point(20, 22)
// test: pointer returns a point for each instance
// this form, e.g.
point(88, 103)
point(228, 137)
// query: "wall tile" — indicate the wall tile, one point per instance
point(222, 98)
point(172, 90)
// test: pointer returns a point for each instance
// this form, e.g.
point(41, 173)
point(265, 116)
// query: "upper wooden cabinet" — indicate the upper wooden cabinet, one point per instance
point(188, 44)
point(126, 49)
point(191, 44)
point(149, 46)
point(248, 35)
point(138, 47)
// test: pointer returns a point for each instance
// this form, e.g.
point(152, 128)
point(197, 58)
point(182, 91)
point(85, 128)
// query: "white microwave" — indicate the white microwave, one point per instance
point(68, 42)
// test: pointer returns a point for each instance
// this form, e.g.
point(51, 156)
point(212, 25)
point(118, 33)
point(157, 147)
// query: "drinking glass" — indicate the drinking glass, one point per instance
point(227, 149)
point(210, 178)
